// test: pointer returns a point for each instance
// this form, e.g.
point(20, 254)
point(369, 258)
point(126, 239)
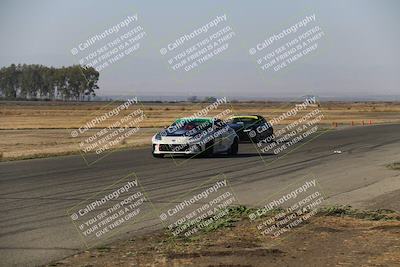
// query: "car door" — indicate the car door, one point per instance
point(217, 136)
point(258, 128)
point(224, 135)
point(264, 129)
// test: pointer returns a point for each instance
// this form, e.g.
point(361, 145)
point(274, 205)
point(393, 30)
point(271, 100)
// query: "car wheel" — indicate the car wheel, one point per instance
point(233, 150)
point(208, 151)
point(255, 140)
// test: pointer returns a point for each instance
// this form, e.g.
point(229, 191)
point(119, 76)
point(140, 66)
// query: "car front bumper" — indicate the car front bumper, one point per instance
point(183, 149)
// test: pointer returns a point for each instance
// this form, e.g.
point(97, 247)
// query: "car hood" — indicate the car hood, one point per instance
point(182, 132)
point(176, 133)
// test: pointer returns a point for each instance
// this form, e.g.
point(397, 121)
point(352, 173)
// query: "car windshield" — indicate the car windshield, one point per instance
point(245, 121)
point(194, 125)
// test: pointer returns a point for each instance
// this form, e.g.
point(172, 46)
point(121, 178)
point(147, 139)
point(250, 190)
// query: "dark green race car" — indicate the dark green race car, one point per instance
point(252, 128)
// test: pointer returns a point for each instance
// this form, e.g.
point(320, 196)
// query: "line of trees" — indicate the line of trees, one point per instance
point(207, 99)
point(41, 82)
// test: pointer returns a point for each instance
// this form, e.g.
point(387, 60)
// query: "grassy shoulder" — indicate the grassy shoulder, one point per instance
point(43, 143)
point(394, 166)
point(334, 236)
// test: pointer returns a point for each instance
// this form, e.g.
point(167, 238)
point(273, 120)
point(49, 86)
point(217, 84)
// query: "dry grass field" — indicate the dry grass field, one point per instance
point(350, 238)
point(37, 129)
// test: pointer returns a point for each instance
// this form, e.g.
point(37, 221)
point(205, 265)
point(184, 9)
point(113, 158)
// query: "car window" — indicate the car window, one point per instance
point(219, 123)
point(247, 122)
point(190, 125)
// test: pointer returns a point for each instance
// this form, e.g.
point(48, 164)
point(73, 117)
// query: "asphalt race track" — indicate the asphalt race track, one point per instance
point(35, 194)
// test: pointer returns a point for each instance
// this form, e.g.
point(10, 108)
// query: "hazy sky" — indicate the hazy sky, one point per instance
point(357, 56)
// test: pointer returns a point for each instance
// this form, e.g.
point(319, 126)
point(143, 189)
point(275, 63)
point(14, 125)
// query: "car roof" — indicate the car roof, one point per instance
point(198, 119)
point(246, 117)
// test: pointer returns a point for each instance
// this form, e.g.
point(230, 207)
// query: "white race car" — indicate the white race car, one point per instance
point(192, 136)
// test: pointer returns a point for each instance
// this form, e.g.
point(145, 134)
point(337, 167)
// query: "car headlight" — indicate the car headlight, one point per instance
point(158, 137)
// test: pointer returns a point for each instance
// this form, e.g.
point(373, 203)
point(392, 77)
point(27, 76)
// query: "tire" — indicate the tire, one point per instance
point(233, 150)
point(255, 140)
point(271, 136)
point(208, 149)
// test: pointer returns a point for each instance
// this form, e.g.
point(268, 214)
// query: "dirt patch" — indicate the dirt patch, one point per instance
point(328, 239)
